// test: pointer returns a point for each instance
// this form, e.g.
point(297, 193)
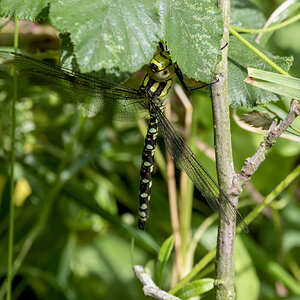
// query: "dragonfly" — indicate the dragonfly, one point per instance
point(122, 102)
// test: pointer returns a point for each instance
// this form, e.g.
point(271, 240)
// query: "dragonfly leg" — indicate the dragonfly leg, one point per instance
point(147, 171)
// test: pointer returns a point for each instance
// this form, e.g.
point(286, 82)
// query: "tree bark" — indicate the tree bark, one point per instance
point(224, 276)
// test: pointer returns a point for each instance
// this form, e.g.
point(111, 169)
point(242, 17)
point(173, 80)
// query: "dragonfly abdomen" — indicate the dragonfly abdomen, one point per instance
point(147, 170)
point(157, 92)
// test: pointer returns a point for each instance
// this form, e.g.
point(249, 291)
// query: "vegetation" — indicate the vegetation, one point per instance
point(76, 177)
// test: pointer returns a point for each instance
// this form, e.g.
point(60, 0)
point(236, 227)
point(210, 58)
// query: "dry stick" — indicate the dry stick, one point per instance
point(251, 164)
point(186, 189)
point(249, 187)
point(174, 212)
point(150, 289)
point(224, 271)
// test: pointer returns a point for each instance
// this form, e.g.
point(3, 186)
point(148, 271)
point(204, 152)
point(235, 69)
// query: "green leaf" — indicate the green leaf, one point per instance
point(246, 14)
point(108, 34)
point(78, 194)
point(68, 60)
point(247, 284)
point(162, 259)
point(28, 10)
point(264, 263)
point(192, 30)
point(195, 288)
point(274, 82)
point(291, 240)
point(64, 269)
point(38, 277)
point(287, 81)
point(257, 119)
point(106, 258)
point(240, 58)
point(275, 88)
point(124, 34)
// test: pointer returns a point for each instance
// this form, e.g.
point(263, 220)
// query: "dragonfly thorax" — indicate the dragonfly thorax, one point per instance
point(158, 80)
point(161, 66)
point(157, 90)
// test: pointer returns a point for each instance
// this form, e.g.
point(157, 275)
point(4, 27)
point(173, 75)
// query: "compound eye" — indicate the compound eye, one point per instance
point(154, 67)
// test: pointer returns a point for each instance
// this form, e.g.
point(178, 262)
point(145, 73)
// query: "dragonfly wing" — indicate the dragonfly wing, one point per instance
point(95, 94)
point(186, 160)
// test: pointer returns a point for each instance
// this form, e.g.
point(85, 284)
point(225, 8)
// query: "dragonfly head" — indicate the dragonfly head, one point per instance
point(161, 66)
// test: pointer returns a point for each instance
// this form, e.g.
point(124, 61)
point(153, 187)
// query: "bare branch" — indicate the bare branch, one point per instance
point(224, 264)
point(150, 289)
point(251, 164)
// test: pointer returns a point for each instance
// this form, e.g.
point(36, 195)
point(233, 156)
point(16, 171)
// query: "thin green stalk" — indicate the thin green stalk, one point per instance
point(132, 247)
point(271, 28)
point(12, 174)
point(251, 216)
point(258, 52)
point(279, 188)
point(197, 236)
point(197, 268)
point(49, 202)
point(293, 265)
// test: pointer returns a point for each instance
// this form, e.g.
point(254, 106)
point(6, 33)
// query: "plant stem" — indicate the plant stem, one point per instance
point(150, 289)
point(174, 209)
point(211, 255)
point(268, 29)
point(224, 276)
point(257, 52)
point(186, 186)
point(47, 208)
point(12, 174)
point(279, 188)
point(197, 268)
point(251, 164)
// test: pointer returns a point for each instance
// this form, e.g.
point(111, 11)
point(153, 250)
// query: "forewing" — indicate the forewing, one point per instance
point(186, 160)
point(113, 100)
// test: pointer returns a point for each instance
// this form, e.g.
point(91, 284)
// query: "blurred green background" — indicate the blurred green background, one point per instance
point(76, 194)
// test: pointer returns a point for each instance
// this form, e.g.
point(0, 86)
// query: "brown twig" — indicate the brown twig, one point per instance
point(251, 164)
point(224, 272)
point(150, 289)
point(186, 189)
point(174, 211)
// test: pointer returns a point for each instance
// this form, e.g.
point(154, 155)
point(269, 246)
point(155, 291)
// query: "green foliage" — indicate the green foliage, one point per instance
point(246, 14)
point(192, 33)
point(131, 30)
point(162, 259)
point(240, 57)
point(195, 288)
point(247, 282)
point(120, 24)
point(28, 10)
point(277, 83)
